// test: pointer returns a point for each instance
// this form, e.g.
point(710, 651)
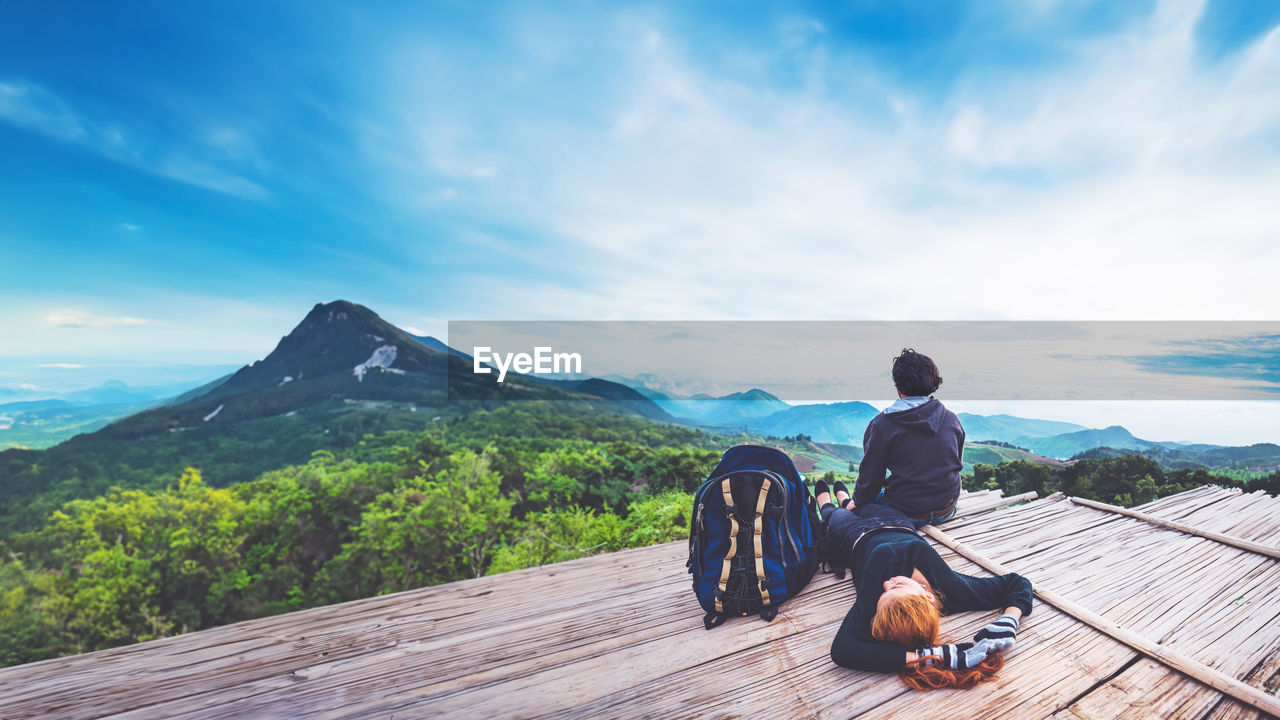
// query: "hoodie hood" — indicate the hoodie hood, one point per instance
point(927, 418)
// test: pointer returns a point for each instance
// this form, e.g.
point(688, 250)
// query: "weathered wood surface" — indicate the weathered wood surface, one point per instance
point(1189, 667)
point(1232, 540)
point(621, 636)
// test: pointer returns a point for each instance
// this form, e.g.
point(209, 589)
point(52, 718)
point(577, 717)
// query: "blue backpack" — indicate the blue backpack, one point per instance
point(753, 536)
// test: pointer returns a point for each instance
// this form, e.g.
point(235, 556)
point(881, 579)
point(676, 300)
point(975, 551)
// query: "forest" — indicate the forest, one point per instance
point(500, 490)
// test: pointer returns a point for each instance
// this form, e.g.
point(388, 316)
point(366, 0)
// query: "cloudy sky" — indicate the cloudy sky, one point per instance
point(180, 187)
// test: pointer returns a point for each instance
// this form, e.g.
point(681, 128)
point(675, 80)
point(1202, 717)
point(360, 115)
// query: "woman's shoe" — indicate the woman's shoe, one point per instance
point(840, 488)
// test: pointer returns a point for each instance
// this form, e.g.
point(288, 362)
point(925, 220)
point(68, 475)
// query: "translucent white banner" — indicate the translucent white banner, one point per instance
point(835, 361)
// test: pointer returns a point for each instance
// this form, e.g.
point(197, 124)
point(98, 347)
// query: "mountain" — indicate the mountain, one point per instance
point(843, 422)
point(344, 353)
point(1066, 445)
point(1008, 428)
point(340, 351)
point(741, 407)
point(341, 356)
point(115, 392)
point(732, 410)
point(342, 374)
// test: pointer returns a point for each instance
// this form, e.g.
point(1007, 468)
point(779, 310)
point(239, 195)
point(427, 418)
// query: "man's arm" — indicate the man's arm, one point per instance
point(871, 471)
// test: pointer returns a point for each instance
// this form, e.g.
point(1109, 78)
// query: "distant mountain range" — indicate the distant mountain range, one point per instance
point(58, 416)
point(844, 423)
point(1009, 428)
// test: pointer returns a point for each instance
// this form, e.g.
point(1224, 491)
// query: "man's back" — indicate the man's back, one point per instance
point(921, 447)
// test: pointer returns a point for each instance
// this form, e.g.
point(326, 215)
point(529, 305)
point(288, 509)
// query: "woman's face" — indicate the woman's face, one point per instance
point(899, 586)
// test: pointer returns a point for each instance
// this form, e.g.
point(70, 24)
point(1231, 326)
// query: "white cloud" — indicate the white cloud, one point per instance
point(1130, 182)
point(61, 366)
point(77, 319)
point(34, 108)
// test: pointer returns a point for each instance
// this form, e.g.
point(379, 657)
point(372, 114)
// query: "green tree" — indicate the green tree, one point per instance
point(424, 532)
point(133, 566)
point(658, 519)
point(27, 614)
point(560, 534)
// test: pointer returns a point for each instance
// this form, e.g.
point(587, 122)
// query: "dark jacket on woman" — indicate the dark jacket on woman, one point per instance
point(921, 449)
point(887, 553)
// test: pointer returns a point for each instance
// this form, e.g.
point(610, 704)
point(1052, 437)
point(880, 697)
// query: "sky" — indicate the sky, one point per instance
point(179, 188)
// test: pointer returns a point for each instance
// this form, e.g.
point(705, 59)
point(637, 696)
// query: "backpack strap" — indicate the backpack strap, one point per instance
point(733, 543)
point(758, 531)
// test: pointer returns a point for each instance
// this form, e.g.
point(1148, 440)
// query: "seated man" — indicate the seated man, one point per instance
point(919, 442)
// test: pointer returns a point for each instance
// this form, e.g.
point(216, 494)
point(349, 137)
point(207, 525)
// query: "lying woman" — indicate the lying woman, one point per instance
point(903, 587)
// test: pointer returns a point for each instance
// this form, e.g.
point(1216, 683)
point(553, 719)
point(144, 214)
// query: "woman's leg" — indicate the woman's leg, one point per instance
point(842, 495)
point(822, 494)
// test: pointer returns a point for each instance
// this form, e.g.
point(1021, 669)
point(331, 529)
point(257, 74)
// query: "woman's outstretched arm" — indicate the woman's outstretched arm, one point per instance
point(965, 592)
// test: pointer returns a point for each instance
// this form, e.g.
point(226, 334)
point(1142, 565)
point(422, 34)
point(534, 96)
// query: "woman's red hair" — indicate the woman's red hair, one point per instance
point(912, 621)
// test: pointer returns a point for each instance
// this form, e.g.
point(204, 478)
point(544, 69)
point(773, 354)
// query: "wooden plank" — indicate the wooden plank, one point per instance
point(1192, 668)
point(994, 503)
point(1180, 527)
point(1146, 690)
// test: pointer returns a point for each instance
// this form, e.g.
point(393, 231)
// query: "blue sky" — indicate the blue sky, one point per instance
point(179, 187)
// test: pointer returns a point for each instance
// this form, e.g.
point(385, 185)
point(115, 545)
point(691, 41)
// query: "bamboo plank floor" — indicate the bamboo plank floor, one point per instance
point(620, 635)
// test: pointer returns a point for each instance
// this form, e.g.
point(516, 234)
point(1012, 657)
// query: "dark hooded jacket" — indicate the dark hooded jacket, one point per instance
point(920, 448)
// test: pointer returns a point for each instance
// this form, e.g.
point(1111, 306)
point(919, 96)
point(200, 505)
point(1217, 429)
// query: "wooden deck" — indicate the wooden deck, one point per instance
point(620, 635)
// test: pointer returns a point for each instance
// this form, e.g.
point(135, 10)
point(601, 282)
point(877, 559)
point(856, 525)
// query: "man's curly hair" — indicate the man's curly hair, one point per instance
point(915, 374)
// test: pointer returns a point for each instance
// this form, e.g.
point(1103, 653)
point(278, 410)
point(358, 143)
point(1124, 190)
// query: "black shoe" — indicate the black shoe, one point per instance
point(821, 487)
point(840, 488)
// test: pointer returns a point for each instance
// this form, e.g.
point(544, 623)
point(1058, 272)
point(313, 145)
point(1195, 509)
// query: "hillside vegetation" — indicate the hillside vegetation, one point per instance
point(1121, 480)
point(505, 489)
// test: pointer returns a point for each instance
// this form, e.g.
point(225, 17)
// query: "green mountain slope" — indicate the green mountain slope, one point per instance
point(341, 374)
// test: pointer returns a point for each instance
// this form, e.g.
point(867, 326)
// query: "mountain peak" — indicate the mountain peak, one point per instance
point(338, 312)
point(342, 340)
point(756, 394)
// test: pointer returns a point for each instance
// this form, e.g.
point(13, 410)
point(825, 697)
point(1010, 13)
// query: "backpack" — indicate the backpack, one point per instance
point(754, 535)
